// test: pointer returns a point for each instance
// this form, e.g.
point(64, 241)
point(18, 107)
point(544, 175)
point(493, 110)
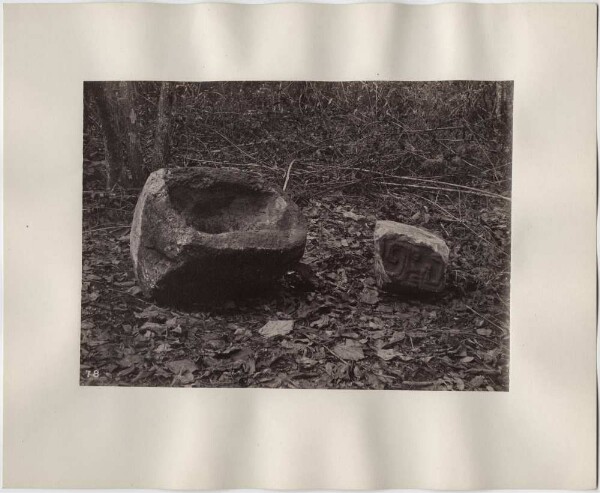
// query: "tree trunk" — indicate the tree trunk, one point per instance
point(123, 150)
point(135, 161)
point(109, 119)
point(162, 135)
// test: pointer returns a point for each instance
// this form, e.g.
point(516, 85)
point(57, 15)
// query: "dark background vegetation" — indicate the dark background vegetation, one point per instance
point(431, 154)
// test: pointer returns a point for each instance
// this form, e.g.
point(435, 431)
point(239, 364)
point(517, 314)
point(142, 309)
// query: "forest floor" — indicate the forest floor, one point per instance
point(345, 333)
point(431, 154)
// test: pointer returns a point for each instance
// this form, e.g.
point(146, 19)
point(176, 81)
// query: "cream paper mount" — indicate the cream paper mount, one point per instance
point(539, 434)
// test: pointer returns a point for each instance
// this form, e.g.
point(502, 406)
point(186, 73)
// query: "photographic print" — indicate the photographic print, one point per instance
point(297, 235)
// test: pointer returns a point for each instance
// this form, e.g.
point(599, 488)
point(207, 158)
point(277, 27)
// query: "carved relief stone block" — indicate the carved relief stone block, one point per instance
point(409, 259)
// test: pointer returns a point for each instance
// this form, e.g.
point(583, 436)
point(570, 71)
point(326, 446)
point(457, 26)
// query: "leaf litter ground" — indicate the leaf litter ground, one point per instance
point(325, 325)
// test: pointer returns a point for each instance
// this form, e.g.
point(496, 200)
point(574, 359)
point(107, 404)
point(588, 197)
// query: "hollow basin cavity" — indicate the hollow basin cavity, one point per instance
point(228, 207)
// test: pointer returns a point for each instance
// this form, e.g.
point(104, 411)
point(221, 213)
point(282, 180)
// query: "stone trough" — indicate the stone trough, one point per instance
point(204, 233)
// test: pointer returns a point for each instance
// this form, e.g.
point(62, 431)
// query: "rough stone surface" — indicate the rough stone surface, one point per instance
point(203, 233)
point(409, 259)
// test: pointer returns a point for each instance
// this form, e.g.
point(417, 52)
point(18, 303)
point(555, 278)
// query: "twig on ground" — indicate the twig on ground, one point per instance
point(417, 384)
point(129, 294)
point(287, 175)
point(469, 190)
point(338, 357)
point(196, 160)
point(425, 180)
point(484, 371)
point(486, 319)
point(114, 192)
point(123, 226)
point(233, 144)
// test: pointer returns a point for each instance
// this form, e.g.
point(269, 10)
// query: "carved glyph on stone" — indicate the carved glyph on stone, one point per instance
point(200, 233)
point(408, 258)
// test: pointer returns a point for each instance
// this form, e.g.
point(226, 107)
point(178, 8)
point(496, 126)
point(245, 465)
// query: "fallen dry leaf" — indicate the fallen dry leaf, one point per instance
point(181, 366)
point(387, 354)
point(353, 216)
point(349, 352)
point(321, 322)
point(130, 360)
point(154, 327)
point(369, 296)
point(276, 328)
point(398, 336)
point(149, 313)
point(477, 381)
point(135, 290)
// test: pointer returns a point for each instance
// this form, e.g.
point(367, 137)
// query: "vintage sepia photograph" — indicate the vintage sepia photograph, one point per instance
point(297, 235)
